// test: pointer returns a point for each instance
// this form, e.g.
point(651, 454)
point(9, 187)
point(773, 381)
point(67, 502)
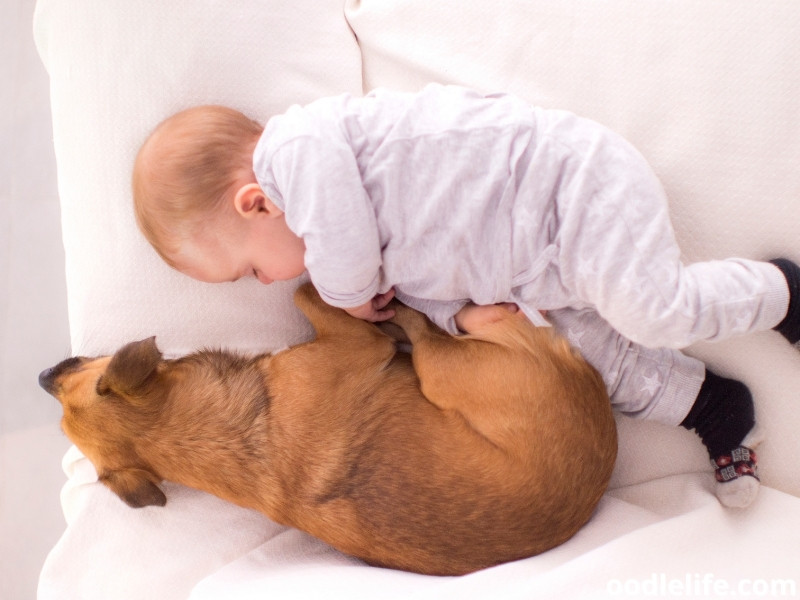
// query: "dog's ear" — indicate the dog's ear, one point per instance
point(136, 487)
point(130, 368)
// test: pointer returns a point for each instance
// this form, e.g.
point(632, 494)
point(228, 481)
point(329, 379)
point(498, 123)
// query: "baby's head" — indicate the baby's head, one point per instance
point(186, 174)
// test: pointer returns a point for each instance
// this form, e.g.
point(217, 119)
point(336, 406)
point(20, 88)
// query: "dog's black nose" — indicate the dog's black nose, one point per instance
point(46, 378)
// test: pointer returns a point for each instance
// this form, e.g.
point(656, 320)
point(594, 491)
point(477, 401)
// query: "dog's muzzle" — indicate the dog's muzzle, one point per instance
point(47, 378)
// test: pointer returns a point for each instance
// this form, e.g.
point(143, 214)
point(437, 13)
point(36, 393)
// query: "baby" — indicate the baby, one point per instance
point(450, 199)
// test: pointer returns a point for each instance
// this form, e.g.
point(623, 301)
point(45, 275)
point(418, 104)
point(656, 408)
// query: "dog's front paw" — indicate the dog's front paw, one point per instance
point(411, 321)
point(307, 295)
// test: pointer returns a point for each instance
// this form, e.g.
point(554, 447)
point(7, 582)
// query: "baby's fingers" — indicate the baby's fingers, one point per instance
point(381, 300)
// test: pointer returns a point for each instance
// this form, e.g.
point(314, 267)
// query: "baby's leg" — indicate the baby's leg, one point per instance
point(645, 383)
point(620, 255)
point(675, 305)
point(667, 386)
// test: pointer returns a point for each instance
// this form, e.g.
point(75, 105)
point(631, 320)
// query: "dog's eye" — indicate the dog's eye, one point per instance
point(101, 388)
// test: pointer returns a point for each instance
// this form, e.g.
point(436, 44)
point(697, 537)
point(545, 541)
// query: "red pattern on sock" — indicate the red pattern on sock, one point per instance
point(741, 462)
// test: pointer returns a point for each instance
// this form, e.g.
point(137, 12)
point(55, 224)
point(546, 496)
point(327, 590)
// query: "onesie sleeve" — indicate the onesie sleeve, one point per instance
point(326, 204)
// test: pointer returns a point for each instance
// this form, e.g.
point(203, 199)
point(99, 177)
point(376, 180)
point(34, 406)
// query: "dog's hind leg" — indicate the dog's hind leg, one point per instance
point(458, 373)
point(501, 376)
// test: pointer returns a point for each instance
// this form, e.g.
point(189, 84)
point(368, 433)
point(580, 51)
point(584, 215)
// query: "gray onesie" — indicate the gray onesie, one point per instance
point(451, 196)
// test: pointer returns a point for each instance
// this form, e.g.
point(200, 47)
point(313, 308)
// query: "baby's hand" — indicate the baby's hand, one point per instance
point(372, 311)
point(472, 316)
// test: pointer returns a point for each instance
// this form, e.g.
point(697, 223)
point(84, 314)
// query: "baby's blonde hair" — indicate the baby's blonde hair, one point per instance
point(185, 171)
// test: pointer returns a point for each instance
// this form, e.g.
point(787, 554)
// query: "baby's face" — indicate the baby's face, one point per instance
point(264, 248)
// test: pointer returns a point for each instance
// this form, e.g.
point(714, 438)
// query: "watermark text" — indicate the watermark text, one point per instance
point(699, 585)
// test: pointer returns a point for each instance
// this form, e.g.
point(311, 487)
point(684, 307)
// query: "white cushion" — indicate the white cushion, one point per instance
point(116, 71)
point(707, 90)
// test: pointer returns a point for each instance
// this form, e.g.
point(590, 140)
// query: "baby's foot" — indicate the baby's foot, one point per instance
point(790, 326)
point(723, 416)
point(737, 473)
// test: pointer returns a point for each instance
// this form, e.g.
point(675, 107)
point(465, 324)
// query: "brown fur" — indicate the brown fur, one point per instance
point(490, 447)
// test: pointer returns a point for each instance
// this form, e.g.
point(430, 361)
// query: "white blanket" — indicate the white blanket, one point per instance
point(708, 91)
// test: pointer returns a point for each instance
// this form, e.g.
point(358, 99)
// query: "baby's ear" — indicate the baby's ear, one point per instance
point(250, 201)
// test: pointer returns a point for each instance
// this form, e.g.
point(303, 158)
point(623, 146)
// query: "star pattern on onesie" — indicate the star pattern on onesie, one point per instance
point(574, 337)
point(743, 322)
point(651, 383)
point(610, 379)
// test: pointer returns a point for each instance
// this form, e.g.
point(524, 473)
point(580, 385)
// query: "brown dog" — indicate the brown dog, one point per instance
point(490, 447)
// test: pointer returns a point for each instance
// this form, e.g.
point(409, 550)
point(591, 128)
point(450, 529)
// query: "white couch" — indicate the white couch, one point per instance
point(708, 91)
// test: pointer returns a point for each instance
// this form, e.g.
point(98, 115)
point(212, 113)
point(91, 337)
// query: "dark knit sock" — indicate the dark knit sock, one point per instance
point(790, 326)
point(722, 415)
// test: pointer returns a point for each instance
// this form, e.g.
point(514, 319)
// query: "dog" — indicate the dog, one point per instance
point(467, 452)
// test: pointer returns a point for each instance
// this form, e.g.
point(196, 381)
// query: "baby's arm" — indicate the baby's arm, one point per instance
point(328, 207)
